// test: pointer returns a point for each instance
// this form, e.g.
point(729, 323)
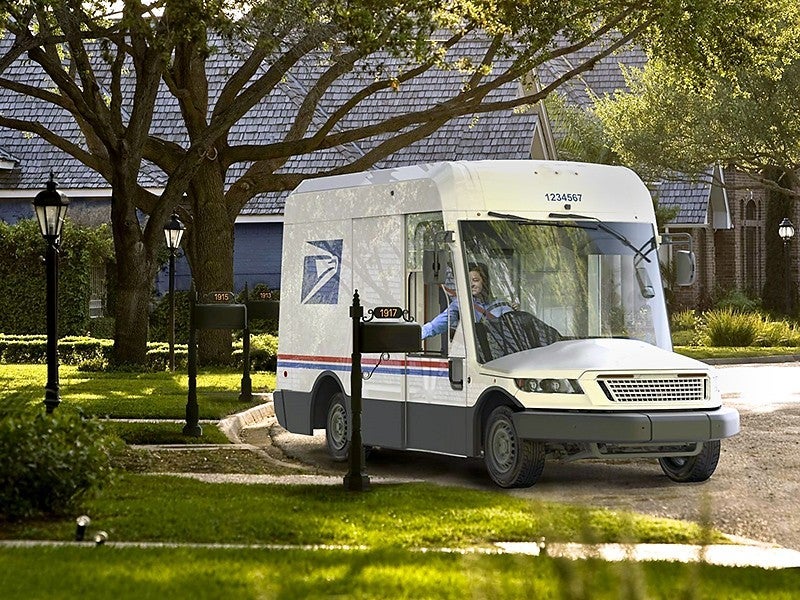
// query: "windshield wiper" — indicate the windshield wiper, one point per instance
point(573, 217)
point(527, 221)
point(611, 231)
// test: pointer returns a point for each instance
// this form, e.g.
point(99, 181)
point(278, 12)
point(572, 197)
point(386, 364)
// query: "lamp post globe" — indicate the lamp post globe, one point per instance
point(173, 232)
point(786, 230)
point(50, 207)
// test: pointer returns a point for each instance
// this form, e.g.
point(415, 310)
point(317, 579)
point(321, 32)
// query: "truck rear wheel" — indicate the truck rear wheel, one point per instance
point(337, 429)
point(689, 469)
point(511, 462)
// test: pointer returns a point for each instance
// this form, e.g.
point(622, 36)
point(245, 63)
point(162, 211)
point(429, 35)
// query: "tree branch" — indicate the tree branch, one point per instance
point(88, 159)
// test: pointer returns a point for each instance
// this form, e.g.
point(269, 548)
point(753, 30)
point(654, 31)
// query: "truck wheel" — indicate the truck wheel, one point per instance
point(688, 469)
point(337, 430)
point(512, 462)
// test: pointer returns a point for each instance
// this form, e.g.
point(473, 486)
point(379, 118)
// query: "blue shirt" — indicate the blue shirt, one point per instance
point(438, 324)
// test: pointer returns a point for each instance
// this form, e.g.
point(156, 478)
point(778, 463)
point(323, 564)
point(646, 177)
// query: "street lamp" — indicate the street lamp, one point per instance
point(173, 232)
point(51, 208)
point(786, 231)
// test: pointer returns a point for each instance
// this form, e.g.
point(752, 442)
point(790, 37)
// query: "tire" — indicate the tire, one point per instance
point(691, 469)
point(337, 428)
point(512, 462)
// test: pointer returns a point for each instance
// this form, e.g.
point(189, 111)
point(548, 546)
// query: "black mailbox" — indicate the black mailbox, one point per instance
point(263, 310)
point(391, 337)
point(220, 316)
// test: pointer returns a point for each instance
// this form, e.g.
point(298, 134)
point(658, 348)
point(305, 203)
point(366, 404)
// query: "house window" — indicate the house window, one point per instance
point(97, 291)
point(751, 259)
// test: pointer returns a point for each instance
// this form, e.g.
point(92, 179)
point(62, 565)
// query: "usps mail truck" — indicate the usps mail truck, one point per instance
point(566, 356)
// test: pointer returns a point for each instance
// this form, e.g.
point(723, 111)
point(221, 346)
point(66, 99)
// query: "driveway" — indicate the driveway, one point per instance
point(755, 492)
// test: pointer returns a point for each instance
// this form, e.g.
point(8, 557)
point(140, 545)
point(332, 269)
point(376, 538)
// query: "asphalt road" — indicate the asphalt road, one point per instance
point(755, 492)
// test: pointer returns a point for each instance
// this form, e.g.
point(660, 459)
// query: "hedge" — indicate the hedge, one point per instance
point(22, 276)
point(92, 354)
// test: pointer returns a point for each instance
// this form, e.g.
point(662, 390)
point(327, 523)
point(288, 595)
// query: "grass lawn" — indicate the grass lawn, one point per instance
point(159, 395)
point(162, 508)
point(162, 433)
point(701, 352)
point(245, 574)
point(386, 528)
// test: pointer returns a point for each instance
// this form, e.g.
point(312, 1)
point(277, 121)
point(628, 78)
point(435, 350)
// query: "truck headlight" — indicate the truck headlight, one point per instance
point(549, 386)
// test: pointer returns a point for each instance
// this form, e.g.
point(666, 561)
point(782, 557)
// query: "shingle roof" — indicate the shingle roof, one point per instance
point(605, 78)
point(690, 197)
point(505, 134)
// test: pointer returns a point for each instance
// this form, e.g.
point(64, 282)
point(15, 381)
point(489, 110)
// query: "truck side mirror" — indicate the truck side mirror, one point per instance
point(685, 268)
point(434, 266)
point(645, 285)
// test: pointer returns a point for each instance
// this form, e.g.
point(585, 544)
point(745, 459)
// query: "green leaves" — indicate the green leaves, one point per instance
point(51, 461)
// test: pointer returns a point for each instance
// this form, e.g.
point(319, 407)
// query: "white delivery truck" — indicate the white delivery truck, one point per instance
point(568, 354)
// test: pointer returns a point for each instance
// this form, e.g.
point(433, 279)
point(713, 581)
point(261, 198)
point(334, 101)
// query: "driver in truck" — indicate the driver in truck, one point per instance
point(482, 303)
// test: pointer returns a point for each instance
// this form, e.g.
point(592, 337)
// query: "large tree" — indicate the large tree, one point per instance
point(106, 72)
point(671, 121)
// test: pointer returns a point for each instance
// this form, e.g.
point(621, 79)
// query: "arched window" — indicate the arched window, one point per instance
point(751, 250)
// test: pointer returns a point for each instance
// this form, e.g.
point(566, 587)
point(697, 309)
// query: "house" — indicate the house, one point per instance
point(725, 222)
point(26, 161)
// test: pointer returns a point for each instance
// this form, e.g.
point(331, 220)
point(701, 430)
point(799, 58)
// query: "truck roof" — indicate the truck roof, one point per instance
point(525, 187)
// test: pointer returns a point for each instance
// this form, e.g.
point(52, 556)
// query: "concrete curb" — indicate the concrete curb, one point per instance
point(765, 557)
point(232, 426)
point(752, 360)
point(716, 554)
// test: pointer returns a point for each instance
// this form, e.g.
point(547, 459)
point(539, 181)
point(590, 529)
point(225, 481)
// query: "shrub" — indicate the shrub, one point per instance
point(263, 352)
point(684, 320)
point(158, 356)
point(15, 349)
point(727, 327)
point(683, 338)
point(51, 461)
point(777, 333)
point(102, 328)
point(23, 349)
point(736, 300)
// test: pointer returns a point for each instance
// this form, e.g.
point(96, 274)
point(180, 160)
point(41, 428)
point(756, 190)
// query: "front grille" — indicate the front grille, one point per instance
point(655, 389)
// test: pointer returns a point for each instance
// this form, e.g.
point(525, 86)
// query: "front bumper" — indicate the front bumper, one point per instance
point(627, 427)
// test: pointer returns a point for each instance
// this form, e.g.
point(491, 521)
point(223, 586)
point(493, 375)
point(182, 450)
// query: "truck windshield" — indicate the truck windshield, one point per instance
point(547, 281)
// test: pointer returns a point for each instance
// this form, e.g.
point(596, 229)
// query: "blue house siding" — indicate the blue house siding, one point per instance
point(257, 254)
point(256, 259)
point(15, 210)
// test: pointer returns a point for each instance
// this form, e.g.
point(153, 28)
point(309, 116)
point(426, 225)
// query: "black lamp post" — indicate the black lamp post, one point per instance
point(786, 231)
point(173, 231)
point(51, 208)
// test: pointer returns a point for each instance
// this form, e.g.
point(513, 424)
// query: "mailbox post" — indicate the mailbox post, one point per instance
point(216, 312)
point(356, 479)
point(372, 337)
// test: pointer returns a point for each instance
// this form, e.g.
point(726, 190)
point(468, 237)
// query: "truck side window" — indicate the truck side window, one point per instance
point(425, 302)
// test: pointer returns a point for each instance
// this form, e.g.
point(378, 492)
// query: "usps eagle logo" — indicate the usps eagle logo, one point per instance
point(321, 268)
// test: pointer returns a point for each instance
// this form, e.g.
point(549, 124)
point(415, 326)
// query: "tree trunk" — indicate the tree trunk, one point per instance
point(777, 286)
point(135, 275)
point(210, 253)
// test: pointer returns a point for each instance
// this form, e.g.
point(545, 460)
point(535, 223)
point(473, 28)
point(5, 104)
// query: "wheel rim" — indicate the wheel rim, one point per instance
point(503, 445)
point(676, 462)
point(337, 427)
